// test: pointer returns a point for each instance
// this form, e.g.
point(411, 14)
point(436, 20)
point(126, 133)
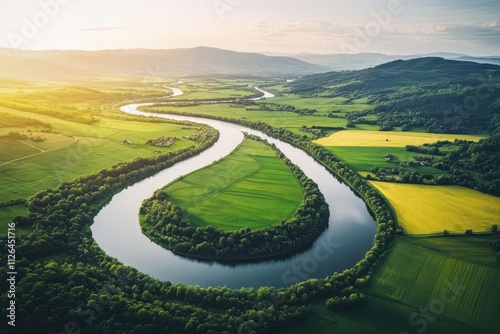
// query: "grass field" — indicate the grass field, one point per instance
point(98, 147)
point(364, 158)
point(200, 89)
point(414, 278)
point(8, 213)
point(377, 315)
point(425, 272)
point(323, 105)
point(281, 119)
point(424, 209)
point(386, 138)
point(251, 187)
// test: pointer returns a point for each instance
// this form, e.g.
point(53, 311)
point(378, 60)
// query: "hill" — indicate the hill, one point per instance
point(435, 94)
point(359, 61)
point(53, 64)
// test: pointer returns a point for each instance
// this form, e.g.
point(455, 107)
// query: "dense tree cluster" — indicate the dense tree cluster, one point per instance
point(475, 165)
point(164, 222)
point(12, 120)
point(266, 106)
point(345, 302)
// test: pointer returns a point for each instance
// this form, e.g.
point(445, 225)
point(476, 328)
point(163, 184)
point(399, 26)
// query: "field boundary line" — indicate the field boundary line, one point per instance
point(34, 146)
point(41, 151)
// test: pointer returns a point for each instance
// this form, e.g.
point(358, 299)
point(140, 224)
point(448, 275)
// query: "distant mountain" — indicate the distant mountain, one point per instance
point(436, 94)
point(200, 60)
point(341, 62)
point(481, 60)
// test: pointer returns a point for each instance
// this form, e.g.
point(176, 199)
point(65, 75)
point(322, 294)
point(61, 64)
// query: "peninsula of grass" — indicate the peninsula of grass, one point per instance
point(253, 204)
point(251, 188)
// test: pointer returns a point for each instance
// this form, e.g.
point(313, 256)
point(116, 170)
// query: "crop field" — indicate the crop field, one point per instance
point(251, 187)
point(422, 273)
point(386, 138)
point(425, 209)
point(415, 275)
point(376, 315)
point(364, 158)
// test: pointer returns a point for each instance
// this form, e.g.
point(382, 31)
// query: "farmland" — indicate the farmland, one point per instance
point(423, 272)
point(365, 158)
point(252, 188)
point(453, 278)
point(284, 119)
point(386, 138)
point(423, 209)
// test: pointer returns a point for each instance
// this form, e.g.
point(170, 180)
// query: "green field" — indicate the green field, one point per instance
point(323, 105)
point(420, 272)
point(426, 209)
point(413, 278)
point(377, 315)
point(280, 119)
point(251, 187)
point(98, 146)
point(215, 89)
point(363, 158)
point(6, 216)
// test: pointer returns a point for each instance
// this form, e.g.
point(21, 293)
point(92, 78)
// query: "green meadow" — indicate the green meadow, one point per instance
point(98, 146)
point(251, 187)
point(200, 89)
point(432, 285)
point(280, 119)
point(421, 273)
point(363, 159)
point(323, 105)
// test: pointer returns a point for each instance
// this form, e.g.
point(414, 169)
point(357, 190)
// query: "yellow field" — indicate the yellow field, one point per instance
point(424, 209)
point(386, 138)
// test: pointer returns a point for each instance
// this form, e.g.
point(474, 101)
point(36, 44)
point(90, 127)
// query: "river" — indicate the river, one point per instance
point(349, 235)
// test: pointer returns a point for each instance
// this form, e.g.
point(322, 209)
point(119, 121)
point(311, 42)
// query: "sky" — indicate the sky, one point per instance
point(397, 27)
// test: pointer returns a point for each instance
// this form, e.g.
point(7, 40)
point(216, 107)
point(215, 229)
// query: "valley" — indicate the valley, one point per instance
point(378, 211)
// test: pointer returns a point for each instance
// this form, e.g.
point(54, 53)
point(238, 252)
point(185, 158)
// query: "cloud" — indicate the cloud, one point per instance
point(312, 29)
point(486, 32)
point(99, 29)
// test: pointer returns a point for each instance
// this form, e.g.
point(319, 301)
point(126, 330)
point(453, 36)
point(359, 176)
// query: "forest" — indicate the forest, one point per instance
point(434, 94)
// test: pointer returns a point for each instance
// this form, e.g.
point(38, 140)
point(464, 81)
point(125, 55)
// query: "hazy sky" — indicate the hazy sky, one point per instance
point(283, 26)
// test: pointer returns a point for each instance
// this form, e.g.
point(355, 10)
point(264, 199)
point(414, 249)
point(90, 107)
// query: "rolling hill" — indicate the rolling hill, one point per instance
point(54, 64)
point(434, 94)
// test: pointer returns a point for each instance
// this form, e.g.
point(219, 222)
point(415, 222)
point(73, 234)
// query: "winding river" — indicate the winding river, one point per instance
point(350, 234)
